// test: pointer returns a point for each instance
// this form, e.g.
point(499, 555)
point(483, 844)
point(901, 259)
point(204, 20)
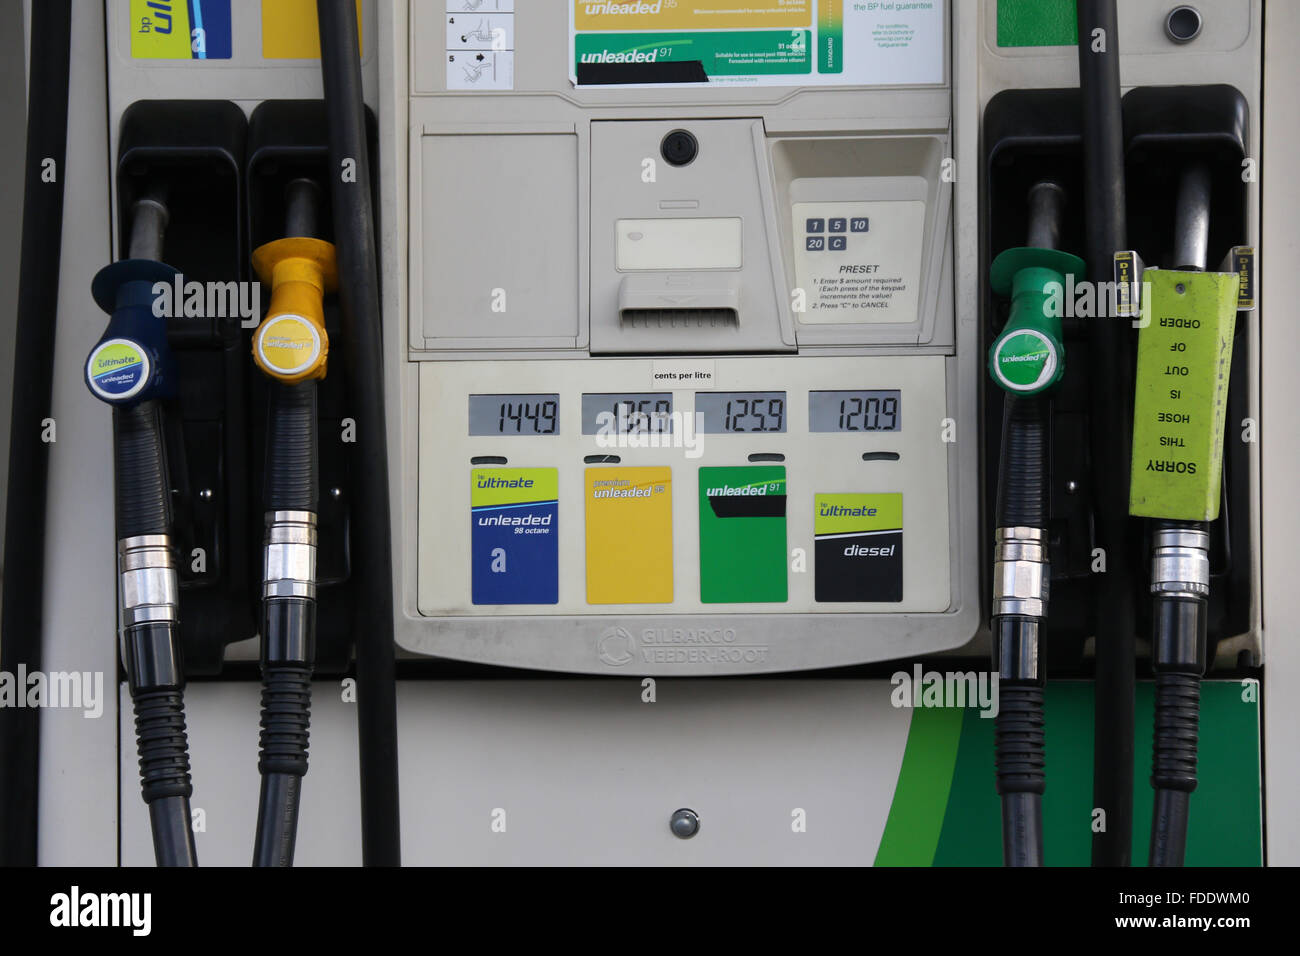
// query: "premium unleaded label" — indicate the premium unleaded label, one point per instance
point(629, 535)
point(514, 549)
point(742, 534)
point(859, 547)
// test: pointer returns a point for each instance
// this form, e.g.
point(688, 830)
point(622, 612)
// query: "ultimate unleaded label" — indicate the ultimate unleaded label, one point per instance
point(514, 544)
point(117, 369)
point(742, 534)
point(859, 547)
point(180, 29)
point(629, 535)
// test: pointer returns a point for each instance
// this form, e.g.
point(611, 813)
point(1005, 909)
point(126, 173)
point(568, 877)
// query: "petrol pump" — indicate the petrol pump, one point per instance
point(841, 383)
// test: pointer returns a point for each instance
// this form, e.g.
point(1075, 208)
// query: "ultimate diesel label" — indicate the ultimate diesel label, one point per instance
point(858, 548)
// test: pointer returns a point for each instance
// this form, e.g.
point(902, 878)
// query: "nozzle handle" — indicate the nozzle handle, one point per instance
point(143, 498)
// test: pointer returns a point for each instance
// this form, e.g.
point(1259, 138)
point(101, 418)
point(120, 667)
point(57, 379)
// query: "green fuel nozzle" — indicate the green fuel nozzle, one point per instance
point(1026, 359)
point(1028, 356)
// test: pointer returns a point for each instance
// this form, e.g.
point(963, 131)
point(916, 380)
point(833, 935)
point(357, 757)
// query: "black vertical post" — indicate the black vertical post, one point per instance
point(21, 621)
point(372, 561)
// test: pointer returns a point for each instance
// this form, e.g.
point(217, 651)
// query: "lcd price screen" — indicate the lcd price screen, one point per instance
point(735, 412)
point(631, 413)
point(514, 415)
point(863, 411)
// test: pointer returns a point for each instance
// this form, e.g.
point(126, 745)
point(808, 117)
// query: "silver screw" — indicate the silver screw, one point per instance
point(684, 823)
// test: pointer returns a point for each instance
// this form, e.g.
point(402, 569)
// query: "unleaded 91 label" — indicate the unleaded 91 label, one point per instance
point(742, 534)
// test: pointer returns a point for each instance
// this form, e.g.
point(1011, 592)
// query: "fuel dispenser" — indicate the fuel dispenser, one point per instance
point(672, 342)
point(1146, 163)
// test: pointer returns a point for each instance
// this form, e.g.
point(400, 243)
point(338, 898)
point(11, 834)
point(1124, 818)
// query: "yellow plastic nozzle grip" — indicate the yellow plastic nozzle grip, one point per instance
point(291, 344)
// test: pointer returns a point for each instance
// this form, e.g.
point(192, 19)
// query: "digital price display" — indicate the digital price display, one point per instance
point(869, 411)
point(633, 413)
point(514, 415)
point(725, 412)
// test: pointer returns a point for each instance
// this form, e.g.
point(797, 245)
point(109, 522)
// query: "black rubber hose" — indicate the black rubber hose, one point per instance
point(1020, 754)
point(1022, 472)
point(291, 448)
point(372, 557)
point(21, 621)
point(155, 673)
point(143, 496)
point(1021, 772)
point(1179, 649)
point(156, 679)
point(286, 713)
point(288, 630)
point(1169, 815)
point(1111, 389)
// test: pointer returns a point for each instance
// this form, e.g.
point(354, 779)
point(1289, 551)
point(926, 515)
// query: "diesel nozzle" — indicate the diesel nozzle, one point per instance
point(131, 369)
point(1027, 358)
point(1178, 436)
point(290, 347)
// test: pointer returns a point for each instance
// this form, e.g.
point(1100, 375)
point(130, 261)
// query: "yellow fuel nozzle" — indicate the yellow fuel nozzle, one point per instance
point(291, 344)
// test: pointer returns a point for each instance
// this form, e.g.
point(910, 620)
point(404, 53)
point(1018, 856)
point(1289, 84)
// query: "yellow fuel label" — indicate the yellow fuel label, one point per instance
point(629, 535)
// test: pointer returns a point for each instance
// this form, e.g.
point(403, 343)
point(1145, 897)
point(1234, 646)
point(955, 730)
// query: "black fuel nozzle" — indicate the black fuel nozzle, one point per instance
point(291, 348)
point(131, 369)
point(1180, 577)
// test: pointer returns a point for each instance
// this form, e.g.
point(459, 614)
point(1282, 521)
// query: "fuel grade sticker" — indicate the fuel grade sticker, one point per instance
point(742, 534)
point(858, 554)
point(514, 543)
point(117, 369)
point(629, 535)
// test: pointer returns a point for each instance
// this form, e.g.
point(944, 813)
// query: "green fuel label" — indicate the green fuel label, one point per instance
point(858, 554)
point(1181, 399)
point(723, 53)
point(742, 535)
